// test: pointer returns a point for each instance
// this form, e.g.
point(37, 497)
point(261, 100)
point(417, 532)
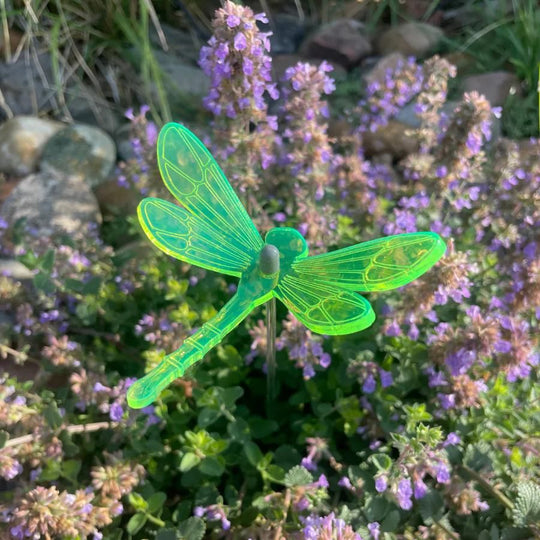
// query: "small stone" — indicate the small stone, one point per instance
point(52, 204)
point(112, 197)
point(390, 139)
point(287, 33)
point(26, 85)
point(15, 270)
point(495, 86)
point(86, 106)
point(410, 39)
point(342, 41)
point(80, 150)
point(378, 72)
point(181, 77)
point(21, 142)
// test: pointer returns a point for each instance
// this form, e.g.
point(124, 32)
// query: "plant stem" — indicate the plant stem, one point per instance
point(155, 520)
point(76, 428)
point(501, 497)
point(270, 352)
point(451, 534)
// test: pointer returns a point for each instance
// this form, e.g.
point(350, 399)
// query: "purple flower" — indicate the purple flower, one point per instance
point(199, 511)
point(369, 384)
point(322, 482)
point(374, 530)
point(116, 412)
point(381, 483)
point(345, 482)
point(386, 378)
point(240, 42)
point(404, 493)
point(420, 488)
point(452, 439)
point(233, 21)
point(442, 472)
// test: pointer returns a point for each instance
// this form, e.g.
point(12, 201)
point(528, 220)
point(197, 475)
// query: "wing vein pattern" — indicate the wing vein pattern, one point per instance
point(195, 179)
point(376, 265)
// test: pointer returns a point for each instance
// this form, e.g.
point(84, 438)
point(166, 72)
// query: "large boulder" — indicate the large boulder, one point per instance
point(22, 139)
point(52, 204)
point(410, 39)
point(80, 150)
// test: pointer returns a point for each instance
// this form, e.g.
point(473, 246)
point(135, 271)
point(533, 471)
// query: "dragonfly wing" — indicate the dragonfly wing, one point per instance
point(187, 237)
point(377, 265)
point(195, 179)
point(323, 308)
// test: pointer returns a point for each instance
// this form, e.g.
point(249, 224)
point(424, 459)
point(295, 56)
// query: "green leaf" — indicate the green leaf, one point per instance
point(239, 430)
point(70, 469)
point(207, 416)
point(262, 427)
point(275, 473)
point(381, 461)
point(51, 471)
point(4, 436)
point(527, 505)
point(156, 501)
point(46, 261)
point(391, 521)
point(166, 534)
point(138, 502)
point(253, 453)
point(298, 476)
point(136, 523)
point(43, 283)
point(92, 285)
point(52, 416)
point(479, 457)
point(213, 466)
point(376, 508)
point(189, 461)
point(431, 507)
point(192, 529)
point(75, 285)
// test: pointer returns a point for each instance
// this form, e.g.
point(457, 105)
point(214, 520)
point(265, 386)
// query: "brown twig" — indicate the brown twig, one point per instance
point(76, 428)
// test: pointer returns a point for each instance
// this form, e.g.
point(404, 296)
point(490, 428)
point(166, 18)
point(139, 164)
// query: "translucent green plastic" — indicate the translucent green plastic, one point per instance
point(212, 230)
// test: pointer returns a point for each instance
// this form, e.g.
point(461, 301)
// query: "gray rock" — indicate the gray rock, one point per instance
point(378, 72)
point(122, 138)
point(15, 270)
point(287, 33)
point(86, 106)
point(52, 204)
point(179, 43)
point(21, 141)
point(495, 86)
point(343, 41)
point(27, 85)
point(181, 77)
point(80, 150)
point(410, 39)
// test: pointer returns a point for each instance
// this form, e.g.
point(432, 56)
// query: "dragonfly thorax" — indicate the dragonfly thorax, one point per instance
point(269, 260)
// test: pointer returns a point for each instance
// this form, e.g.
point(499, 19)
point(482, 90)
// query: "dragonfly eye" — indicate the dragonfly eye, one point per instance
point(269, 260)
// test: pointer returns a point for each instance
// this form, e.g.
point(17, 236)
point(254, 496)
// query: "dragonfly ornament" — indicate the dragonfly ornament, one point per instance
point(213, 230)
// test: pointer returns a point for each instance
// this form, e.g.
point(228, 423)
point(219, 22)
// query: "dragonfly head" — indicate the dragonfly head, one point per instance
point(269, 260)
point(289, 243)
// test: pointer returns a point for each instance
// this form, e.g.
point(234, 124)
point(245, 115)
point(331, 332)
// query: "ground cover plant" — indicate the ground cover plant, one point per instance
point(426, 425)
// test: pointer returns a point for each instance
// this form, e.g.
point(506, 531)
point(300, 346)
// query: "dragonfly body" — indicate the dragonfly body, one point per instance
point(212, 230)
point(256, 287)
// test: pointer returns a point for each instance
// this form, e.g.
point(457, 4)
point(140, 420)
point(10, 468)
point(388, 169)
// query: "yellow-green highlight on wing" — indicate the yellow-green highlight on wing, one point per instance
point(212, 230)
point(377, 265)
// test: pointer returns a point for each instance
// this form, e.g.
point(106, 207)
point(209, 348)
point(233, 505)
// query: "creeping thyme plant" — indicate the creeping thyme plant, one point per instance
point(426, 425)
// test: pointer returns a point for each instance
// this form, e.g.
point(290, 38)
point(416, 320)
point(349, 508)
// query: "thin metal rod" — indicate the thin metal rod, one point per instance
point(271, 351)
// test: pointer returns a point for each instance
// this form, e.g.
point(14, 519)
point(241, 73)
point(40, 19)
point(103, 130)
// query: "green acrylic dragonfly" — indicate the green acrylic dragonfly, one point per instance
point(213, 230)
